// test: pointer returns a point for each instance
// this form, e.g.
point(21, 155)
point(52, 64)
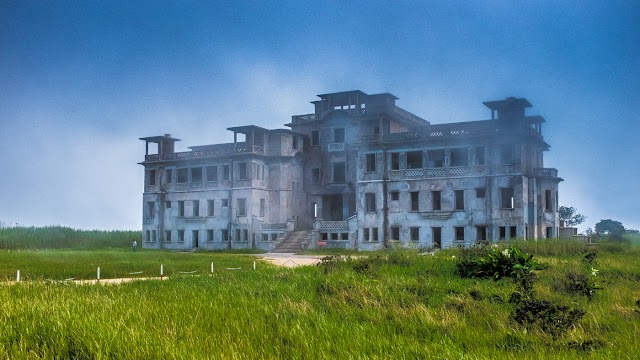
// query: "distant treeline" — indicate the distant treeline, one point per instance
point(59, 237)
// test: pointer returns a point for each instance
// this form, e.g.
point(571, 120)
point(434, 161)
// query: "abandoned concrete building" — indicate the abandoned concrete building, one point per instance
point(360, 173)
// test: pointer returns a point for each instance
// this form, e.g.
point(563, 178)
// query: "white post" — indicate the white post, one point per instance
point(212, 268)
point(161, 271)
point(18, 276)
point(98, 273)
point(254, 264)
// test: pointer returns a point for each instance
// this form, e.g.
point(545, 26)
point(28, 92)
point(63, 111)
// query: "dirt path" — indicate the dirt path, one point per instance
point(291, 260)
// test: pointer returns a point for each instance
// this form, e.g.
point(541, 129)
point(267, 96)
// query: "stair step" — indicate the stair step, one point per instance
point(293, 242)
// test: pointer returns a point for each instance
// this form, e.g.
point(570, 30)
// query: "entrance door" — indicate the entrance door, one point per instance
point(332, 208)
point(195, 236)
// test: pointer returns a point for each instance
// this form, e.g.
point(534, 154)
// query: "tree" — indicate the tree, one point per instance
point(611, 228)
point(570, 216)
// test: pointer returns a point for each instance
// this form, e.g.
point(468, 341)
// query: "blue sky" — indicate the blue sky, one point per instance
point(81, 81)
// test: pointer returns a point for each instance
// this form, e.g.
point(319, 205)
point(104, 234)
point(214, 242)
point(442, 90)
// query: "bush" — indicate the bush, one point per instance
point(497, 264)
point(553, 319)
point(580, 284)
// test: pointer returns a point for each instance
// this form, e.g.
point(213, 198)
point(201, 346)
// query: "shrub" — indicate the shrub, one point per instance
point(497, 264)
point(580, 284)
point(553, 319)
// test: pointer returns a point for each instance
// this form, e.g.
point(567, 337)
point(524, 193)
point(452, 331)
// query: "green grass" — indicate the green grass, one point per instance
point(113, 263)
point(58, 237)
point(393, 304)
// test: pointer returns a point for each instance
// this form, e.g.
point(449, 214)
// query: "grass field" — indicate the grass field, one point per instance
point(59, 237)
point(396, 304)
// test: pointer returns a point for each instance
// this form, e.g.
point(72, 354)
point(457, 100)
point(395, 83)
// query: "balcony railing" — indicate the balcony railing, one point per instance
point(336, 147)
point(332, 225)
point(480, 128)
point(274, 226)
point(437, 172)
point(546, 172)
point(217, 150)
point(301, 119)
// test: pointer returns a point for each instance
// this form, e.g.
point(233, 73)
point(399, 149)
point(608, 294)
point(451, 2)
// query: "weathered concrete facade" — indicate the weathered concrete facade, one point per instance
point(357, 173)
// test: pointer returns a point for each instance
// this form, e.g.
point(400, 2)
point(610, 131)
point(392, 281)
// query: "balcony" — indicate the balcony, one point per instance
point(336, 147)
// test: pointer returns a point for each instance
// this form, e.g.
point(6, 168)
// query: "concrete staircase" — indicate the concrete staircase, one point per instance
point(293, 242)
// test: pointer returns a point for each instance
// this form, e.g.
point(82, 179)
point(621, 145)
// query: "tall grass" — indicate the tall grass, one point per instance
point(59, 237)
point(392, 304)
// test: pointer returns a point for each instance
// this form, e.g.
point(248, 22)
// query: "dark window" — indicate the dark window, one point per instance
point(180, 235)
point(212, 173)
point(225, 172)
point(481, 233)
point(365, 234)
point(315, 138)
point(238, 235)
point(436, 158)
point(506, 154)
point(395, 161)
point(374, 234)
point(548, 202)
point(415, 200)
point(167, 204)
point(294, 143)
point(513, 232)
point(414, 233)
point(339, 172)
point(196, 208)
point(224, 235)
point(211, 208)
point(167, 236)
point(459, 157)
point(225, 202)
point(370, 202)
point(481, 193)
point(151, 209)
point(503, 232)
point(507, 200)
point(459, 199)
point(181, 208)
point(242, 207)
point(395, 233)
point(394, 195)
point(459, 230)
point(209, 235)
point(242, 171)
point(371, 162)
point(315, 176)
point(338, 135)
point(182, 175)
point(549, 232)
point(436, 236)
point(479, 152)
point(436, 200)
point(169, 175)
point(274, 237)
point(414, 160)
point(262, 207)
point(152, 177)
point(196, 174)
